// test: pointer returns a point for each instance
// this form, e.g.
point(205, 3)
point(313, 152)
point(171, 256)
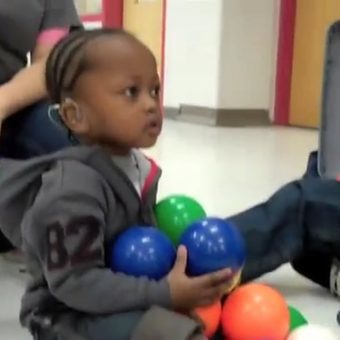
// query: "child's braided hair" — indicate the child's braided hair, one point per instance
point(67, 61)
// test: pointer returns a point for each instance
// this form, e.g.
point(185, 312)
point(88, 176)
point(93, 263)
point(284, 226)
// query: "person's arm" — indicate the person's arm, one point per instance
point(28, 85)
point(65, 231)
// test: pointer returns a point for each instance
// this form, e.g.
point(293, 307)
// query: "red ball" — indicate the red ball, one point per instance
point(255, 311)
point(210, 317)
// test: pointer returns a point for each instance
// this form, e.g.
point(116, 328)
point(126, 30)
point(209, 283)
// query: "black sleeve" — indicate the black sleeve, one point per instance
point(60, 13)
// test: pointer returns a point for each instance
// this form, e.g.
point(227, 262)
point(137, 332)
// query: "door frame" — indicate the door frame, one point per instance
point(113, 13)
point(284, 63)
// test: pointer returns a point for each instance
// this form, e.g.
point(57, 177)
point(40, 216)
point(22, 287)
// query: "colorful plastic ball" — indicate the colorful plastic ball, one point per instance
point(213, 244)
point(296, 319)
point(210, 316)
point(175, 213)
point(143, 251)
point(313, 332)
point(255, 311)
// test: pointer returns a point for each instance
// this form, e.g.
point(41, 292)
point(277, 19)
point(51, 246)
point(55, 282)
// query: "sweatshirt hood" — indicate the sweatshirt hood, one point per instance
point(20, 181)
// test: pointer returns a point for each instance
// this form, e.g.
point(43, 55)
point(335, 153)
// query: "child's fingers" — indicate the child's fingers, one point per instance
point(213, 279)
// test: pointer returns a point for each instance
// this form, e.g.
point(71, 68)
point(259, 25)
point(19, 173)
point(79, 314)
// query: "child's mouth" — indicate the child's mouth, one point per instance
point(154, 127)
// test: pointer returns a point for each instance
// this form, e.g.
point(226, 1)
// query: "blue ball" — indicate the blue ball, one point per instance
point(143, 251)
point(213, 244)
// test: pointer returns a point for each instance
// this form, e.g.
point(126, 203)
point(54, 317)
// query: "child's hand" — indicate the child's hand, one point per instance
point(188, 293)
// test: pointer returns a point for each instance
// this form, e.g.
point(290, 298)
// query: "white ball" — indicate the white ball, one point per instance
point(312, 332)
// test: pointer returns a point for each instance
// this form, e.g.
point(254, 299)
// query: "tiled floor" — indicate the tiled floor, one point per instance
point(227, 170)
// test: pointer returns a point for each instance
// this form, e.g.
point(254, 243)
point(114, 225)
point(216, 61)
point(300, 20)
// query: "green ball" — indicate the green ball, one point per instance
point(175, 213)
point(296, 318)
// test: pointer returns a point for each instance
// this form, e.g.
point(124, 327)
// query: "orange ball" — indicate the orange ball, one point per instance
point(210, 317)
point(255, 311)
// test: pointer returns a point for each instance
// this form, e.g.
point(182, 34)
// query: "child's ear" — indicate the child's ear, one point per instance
point(73, 118)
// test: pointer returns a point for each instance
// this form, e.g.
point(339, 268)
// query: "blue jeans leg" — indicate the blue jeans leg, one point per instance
point(31, 133)
point(27, 134)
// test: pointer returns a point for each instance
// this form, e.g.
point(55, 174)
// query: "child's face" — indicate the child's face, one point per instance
point(119, 96)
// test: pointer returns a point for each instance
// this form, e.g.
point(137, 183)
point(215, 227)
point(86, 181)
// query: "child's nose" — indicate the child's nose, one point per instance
point(150, 104)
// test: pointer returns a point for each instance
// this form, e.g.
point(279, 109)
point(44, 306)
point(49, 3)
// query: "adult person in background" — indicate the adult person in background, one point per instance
point(29, 27)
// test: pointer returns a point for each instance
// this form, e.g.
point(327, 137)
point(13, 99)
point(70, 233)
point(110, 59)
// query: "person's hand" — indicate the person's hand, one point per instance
point(188, 293)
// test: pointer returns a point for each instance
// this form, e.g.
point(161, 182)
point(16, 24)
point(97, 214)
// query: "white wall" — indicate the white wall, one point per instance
point(221, 53)
point(192, 52)
point(249, 39)
point(88, 6)
point(93, 25)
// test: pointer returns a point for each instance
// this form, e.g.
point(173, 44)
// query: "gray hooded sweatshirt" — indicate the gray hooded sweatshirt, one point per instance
point(65, 209)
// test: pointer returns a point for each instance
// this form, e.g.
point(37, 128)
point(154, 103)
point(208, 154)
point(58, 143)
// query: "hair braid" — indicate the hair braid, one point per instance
point(67, 60)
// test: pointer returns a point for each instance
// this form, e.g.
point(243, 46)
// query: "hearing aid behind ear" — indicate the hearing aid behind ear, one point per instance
point(54, 115)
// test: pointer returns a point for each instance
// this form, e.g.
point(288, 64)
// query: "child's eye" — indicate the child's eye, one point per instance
point(155, 92)
point(131, 92)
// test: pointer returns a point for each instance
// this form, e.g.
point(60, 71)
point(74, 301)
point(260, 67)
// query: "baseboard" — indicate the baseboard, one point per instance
point(219, 117)
point(171, 112)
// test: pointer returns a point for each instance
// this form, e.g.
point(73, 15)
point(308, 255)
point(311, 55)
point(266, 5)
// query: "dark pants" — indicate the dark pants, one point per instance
point(315, 265)
point(299, 224)
point(27, 134)
point(111, 327)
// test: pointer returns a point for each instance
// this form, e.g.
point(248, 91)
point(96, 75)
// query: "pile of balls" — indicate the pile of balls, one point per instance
point(259, 312)
point(251, 312)
point(212, 243)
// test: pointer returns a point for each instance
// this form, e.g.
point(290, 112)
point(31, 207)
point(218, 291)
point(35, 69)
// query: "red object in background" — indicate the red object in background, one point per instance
point(255, 311)
point(92, 17)
point(284, 67)
point(113, 16)
point(210, 317)
point(113, 11)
